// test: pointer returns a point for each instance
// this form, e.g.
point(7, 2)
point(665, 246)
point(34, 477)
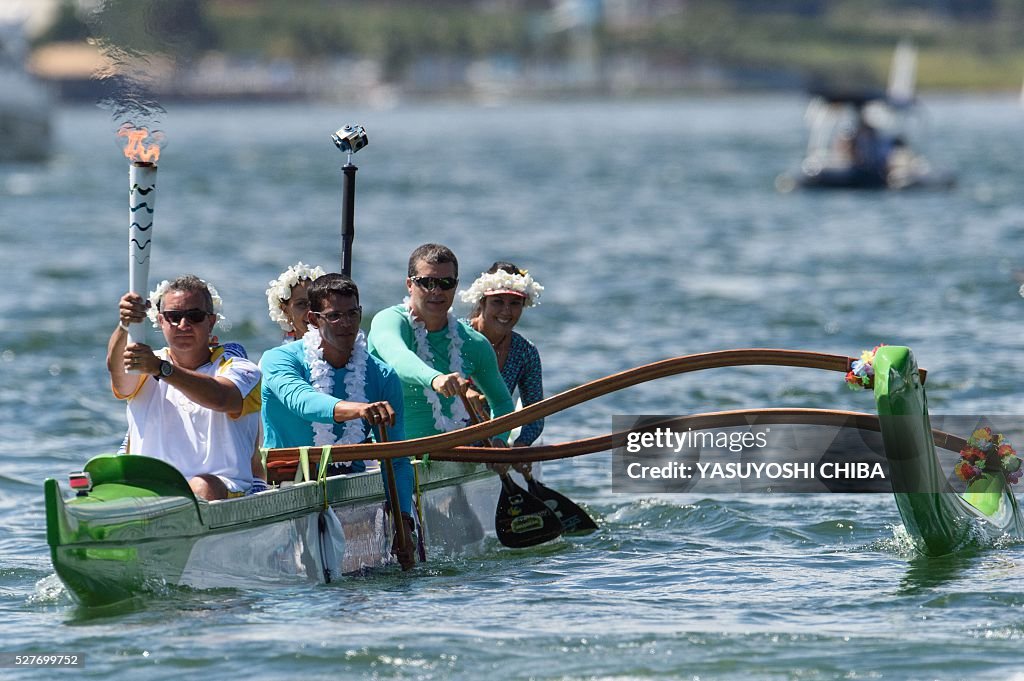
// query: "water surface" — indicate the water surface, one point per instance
point(655, 227)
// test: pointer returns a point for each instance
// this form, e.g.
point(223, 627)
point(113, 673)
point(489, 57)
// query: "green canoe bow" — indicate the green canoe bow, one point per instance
point(937, 518)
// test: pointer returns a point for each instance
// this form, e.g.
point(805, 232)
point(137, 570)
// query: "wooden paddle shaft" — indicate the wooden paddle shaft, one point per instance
point(401, 534)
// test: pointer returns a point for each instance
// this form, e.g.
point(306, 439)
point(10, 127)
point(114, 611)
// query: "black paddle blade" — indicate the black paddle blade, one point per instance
point(574, 519)
point(522, 519)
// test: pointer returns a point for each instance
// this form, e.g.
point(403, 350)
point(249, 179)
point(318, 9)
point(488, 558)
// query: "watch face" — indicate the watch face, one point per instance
point(166, 368)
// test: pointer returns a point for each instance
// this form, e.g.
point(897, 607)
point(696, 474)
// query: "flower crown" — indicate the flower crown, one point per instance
point(281, 290)
point(985, 447)
point(501, 280)
point(156, 296)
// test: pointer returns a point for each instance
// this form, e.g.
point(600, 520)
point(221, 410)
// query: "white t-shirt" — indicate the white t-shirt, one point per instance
point(165, 424)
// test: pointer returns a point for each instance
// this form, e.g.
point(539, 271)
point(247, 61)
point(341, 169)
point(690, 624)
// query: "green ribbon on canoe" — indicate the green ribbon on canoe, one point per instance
point(321, 476)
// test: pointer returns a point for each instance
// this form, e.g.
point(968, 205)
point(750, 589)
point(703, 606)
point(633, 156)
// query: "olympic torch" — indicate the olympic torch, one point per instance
point(141, 204)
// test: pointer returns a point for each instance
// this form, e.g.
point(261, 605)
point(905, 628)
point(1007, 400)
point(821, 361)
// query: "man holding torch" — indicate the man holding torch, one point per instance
point(188, 404)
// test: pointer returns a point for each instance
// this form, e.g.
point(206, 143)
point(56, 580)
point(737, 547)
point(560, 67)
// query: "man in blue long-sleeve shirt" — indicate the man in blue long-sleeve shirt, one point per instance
point(326, 389)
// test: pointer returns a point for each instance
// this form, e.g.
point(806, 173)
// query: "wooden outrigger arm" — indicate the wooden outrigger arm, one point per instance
point(704, 421)
point(603, 386)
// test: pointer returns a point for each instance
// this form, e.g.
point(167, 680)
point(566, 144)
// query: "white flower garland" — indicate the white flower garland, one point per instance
point(281, 290)
point(503, 281)
point(459, 417)
point(156, 296)
point(321, 375)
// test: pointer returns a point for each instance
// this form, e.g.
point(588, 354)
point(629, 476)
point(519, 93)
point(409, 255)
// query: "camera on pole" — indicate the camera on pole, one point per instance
point(349, 139)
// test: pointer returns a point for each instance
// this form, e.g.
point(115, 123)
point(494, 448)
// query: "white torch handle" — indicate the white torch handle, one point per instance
point(141, 203)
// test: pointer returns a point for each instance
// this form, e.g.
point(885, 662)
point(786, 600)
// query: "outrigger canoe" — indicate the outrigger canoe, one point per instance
point(139, 527)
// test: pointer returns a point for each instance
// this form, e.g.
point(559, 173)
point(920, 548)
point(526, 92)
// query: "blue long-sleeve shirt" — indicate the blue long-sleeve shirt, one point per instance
point(291, 405)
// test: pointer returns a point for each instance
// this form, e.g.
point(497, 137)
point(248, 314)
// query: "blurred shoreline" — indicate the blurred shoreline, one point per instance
point(75, 74)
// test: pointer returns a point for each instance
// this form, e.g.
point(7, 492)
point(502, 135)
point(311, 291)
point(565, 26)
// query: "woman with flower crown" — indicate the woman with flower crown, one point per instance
point(499, 296)
point(288, 299)
point(435, 354)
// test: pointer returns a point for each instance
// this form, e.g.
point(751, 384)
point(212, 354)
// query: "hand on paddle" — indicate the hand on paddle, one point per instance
point(478, 401)
point(448, 385)
point(374, 413)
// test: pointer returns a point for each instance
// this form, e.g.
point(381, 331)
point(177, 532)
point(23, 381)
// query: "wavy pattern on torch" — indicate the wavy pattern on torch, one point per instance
point(141, 228)
point(142, 190)
point(140, 206)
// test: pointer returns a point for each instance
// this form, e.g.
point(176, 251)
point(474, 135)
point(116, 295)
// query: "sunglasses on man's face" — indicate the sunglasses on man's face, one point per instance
point(194, 316)
point(430, 283)
point(350, 316)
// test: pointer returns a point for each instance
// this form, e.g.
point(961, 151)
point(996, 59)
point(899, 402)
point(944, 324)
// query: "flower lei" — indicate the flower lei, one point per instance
point(157, 295)
point(862, 371)
point(321, 375)
point(503, 281)
point(281, 290)
point(982, 447)
point(459, 417)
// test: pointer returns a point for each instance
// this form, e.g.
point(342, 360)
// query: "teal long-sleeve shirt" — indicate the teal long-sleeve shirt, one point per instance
point(392, 339)
point(291, 405)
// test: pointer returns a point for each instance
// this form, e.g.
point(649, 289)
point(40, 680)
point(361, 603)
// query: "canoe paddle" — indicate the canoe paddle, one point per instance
point(520, 518)
point(402, 539)
point(574, 519)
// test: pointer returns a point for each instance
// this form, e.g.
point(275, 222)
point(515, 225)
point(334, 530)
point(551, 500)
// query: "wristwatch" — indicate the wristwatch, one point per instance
point(166, 369)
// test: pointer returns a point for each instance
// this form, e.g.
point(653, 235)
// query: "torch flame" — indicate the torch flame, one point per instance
point(135, 150)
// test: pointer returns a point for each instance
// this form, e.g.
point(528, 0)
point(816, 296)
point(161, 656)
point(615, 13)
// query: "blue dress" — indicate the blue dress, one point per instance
point(522, 369)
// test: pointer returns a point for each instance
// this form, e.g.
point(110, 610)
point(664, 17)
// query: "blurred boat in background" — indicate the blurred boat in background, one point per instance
point(860, 138)
point(25, 103)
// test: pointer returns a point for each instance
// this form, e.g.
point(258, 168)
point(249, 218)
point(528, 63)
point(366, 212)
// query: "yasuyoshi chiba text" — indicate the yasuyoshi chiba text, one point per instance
point(750, 470)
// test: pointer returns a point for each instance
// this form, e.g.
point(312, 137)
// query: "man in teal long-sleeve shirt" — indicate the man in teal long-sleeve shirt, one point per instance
point(327, 389)
point(433, 353)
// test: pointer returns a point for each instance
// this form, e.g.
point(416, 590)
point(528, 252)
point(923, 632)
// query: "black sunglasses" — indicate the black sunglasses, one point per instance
point(430, 283)
point(194, 316)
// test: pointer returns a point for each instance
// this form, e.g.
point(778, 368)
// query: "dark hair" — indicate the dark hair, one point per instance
point(504, 266)
point(432, 254)
point(330, 284)
point(190, 283)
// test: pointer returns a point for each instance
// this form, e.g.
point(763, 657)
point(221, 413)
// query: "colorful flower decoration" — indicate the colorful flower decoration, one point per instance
point(985, 449)
point(862, 371)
